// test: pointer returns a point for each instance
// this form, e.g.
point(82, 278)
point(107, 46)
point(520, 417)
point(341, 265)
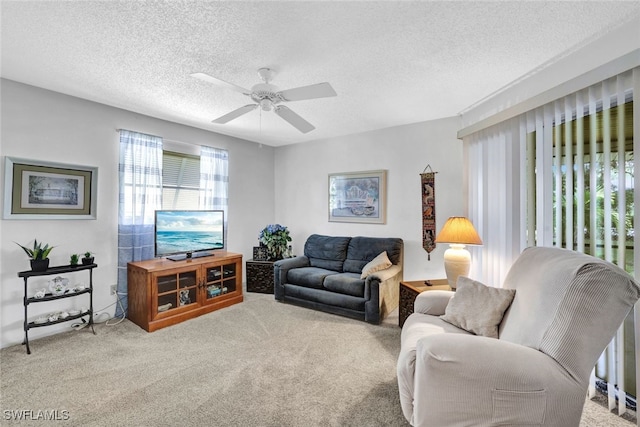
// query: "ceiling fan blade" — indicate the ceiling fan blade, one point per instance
point(221, 83)
point(294, 120)
point(319, 90)
point(235, 114)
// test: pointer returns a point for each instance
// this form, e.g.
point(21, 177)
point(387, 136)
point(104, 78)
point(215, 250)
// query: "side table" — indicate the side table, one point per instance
point(260, 276)
point(409, 290)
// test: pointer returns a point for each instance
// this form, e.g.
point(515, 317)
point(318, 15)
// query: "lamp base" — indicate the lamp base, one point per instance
point(457, 262)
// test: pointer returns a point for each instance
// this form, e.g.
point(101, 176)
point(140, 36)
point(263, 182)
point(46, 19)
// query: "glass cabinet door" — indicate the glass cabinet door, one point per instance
point(213, 283)
point(176, 290)
point(229, 277)
point(220, 280)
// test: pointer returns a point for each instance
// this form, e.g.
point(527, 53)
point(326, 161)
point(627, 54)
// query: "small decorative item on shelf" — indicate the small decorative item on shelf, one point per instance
point(88, 258)
point(58, 285)
point(41, 293)
point(39, 255)
point(184, 297)
point(164, 307)
point(73, 260)
point(276, 239)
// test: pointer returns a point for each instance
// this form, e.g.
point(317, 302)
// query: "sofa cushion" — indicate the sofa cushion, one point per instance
point(478, 308)
point(309, 277)
point(381, 262)
point(348, 302)
point(345, 283)
point(327, 252)
point(361, 250)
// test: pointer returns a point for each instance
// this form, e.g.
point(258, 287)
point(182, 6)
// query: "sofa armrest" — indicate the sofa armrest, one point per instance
point(387, 273)
point(381, 292)
point(280, 270)
point(433, 302)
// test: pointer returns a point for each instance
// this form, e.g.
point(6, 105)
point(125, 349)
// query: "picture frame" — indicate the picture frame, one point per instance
point(358, 197)
point(260, 253)
point(35, 189)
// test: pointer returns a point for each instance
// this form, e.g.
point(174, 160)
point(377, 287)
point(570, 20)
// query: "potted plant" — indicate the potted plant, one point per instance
point(276, 238)
point(88, 258)
point(73, 261)
point(39, 255)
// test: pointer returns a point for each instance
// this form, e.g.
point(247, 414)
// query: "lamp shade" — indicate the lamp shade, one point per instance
point(458, 230)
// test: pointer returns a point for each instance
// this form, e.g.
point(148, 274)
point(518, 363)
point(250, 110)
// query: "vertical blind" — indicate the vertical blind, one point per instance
point(563, 175)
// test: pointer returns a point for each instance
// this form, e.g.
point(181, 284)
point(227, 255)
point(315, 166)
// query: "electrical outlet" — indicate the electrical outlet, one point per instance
point(113, 289)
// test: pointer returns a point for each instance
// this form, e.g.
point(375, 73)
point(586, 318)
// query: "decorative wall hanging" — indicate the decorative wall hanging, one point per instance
point(358, 197)
point(428, 210)
point(46, 190)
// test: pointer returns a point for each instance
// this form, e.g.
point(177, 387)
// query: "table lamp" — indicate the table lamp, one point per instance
point(458, 232)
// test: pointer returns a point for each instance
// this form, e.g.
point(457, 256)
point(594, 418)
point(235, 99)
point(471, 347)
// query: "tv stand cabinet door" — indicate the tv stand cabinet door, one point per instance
point(174, 291)
point(222, 280)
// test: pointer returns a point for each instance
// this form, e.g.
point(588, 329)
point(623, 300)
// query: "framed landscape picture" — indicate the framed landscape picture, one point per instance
point(358, 197)
point(46, 190)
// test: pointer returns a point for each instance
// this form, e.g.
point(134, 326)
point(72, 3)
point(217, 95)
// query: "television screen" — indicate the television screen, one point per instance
point(187, 234)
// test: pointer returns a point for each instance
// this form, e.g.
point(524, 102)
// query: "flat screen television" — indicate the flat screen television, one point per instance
point(183, 234)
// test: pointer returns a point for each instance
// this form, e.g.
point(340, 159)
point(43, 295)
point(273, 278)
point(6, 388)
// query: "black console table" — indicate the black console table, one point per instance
point(50, 297)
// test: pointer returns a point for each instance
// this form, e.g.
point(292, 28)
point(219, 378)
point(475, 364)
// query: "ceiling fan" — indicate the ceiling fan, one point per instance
point(269, 97)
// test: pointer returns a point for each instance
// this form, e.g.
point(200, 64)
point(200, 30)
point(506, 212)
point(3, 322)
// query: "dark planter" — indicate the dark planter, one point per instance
point(39, 264)
point(87, 261)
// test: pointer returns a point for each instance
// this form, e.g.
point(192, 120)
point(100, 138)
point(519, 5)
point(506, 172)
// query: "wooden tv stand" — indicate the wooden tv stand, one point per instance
point(162, 293)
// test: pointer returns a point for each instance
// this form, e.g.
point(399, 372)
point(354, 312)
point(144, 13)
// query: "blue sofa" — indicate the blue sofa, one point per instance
point(328, 276)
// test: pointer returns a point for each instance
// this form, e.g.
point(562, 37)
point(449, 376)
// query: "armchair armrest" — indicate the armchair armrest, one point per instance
point(432, 302)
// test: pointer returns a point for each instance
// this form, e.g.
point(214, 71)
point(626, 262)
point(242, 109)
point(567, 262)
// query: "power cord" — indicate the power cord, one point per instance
point(119, 302)
point(99, 313)
point(78, 326)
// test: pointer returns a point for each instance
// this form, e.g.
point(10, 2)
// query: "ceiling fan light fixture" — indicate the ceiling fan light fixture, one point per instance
point(265, 104)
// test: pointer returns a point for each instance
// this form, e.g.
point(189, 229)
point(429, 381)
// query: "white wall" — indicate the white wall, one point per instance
point(287, 185)
point(301, 192)
point(43, 125)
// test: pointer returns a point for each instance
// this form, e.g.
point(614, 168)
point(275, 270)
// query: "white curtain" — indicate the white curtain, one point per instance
point(494, 182)
point(140, 194)
point(214, 180)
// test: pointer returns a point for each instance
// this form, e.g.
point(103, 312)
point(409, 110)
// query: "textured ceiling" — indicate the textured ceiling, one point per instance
point(391, 63)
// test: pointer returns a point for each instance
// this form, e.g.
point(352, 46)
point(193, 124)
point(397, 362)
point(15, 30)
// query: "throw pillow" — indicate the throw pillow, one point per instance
point(380, 262)
point(478, 308)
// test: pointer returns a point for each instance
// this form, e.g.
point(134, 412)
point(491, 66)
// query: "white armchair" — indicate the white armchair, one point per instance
point(566, 308)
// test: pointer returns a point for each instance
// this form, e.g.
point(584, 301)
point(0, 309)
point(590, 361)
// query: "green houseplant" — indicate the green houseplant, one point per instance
point(276, 238)
point(87, 258)
point(39, 255)
point(73, 260)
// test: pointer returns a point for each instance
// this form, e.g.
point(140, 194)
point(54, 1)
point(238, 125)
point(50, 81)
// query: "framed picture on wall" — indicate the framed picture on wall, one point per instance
point(36, 189)
point(358, 197)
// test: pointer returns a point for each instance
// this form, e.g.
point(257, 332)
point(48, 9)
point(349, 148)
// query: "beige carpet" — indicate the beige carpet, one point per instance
point(258, 363)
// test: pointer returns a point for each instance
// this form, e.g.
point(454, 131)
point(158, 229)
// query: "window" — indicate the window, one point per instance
point(593, 173)
point(180, 181)
point(592, 188)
